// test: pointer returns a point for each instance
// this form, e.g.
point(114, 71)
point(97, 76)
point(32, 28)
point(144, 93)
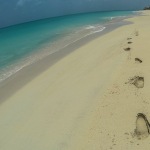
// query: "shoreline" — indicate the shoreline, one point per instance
point(88, 100)
point(25, 75)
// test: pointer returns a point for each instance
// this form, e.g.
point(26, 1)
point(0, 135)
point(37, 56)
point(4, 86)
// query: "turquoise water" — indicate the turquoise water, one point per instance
point(23, 44)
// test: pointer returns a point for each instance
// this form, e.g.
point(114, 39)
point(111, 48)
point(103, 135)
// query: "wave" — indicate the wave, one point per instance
point(34, 41)
point(51, 47)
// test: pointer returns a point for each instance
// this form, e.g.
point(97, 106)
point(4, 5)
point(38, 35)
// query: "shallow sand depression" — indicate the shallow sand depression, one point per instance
point(85, 100)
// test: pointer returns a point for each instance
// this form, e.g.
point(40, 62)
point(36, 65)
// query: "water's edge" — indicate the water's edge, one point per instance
point(12, 84)
point(30, 46)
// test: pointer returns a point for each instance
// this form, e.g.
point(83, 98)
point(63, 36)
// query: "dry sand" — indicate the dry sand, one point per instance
point(86, 101)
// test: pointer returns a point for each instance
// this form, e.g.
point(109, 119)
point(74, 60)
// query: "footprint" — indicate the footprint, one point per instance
point(129, 38)
point(142, 126)
point(138, 60)
point(130, 42)
point(136, 33)
point(137, 81)
point(127, 49)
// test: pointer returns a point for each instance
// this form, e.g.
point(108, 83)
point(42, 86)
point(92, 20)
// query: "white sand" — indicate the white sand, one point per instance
point(82, 102)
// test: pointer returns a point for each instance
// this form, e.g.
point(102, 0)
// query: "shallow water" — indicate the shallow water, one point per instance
point(24, 44)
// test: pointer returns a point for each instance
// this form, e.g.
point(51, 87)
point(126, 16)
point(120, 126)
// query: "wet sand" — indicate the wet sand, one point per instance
point(24, 76)
point(89, 99)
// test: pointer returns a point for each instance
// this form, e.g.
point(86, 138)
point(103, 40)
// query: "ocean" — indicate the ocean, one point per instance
point(24, 44)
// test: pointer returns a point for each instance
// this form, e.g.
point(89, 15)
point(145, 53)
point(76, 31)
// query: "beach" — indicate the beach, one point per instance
point(86, 100)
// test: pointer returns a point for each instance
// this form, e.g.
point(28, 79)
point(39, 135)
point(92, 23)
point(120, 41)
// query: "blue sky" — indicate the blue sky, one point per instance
point(18, 11)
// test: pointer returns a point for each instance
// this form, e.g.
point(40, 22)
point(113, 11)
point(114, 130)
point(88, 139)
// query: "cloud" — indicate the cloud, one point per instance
point(22, 2)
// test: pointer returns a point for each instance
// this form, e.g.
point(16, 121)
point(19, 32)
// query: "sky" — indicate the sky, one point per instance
point(19, 11)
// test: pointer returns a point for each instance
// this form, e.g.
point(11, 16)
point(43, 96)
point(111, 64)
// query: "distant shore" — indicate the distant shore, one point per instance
point(84, 99)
